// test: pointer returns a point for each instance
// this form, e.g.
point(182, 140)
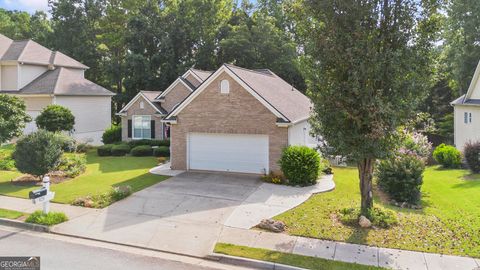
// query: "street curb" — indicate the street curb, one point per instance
point(233, 260)
point(24, 225)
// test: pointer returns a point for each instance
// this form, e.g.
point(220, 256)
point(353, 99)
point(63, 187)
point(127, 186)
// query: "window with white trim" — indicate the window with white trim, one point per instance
point(141, 127)
point(465, 118)
point(142, 105)
point(224, 87)
point(470, 117)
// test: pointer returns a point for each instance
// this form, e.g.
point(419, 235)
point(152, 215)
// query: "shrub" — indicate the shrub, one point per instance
point(162, 160)
point(161, 151)
point(273, 178)
point(6, 161)
point(37, 153)
point(447, 156)
point(104, 199)
point(52, 218)
point(105, 150)
point(471, 151)
point(401, 177)
point(379, 217)
point(67, 143)
point(135, 143)
point(141, 150)
point(300, 165)
point(417, 144)
point(83, 147)
point(120, 149)
point(73, 165)
point(55, 118)
point(112, 135)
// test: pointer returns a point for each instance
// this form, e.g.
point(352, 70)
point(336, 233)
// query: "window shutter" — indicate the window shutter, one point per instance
point(152, 129)
point(129, 128)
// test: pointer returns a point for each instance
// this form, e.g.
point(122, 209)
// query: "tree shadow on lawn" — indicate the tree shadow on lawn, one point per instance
point(468, 184)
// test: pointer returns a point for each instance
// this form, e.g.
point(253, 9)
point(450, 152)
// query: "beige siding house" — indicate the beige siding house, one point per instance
point(467, 113)
point(42, 77)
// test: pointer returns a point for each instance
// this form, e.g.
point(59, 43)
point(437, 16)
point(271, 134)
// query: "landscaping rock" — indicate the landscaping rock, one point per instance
point(364, 222)
point(272, 225)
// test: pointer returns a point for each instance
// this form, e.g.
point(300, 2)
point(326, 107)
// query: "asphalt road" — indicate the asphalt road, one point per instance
point(59, 252)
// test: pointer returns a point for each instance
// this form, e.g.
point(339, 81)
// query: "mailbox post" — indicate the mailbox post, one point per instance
point(43, 195)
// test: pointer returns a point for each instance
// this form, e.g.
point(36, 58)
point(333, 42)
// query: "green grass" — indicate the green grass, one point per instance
point(449, 222)
point(101, 175)
point(52, 218)
point(10, 214)
point(288, 258)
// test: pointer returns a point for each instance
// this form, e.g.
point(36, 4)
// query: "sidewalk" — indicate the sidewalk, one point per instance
point(352, 253)
point(26, 206)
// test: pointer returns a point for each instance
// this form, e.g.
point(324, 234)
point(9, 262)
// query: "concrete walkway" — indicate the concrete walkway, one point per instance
point(270, 200)
point(339, 251)
point(164, 169)
point(26, 206)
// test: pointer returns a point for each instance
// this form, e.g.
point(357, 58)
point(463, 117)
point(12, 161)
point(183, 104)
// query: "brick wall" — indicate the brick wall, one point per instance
point(237, 113)
point(175, 96)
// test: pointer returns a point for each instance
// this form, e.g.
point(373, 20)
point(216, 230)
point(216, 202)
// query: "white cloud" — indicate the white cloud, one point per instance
point(27, 5)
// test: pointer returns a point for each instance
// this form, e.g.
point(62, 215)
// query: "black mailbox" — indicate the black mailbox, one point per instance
point(37, 193)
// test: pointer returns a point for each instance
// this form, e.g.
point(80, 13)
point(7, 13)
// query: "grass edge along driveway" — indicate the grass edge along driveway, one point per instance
point(101, 175)
point(449, 222)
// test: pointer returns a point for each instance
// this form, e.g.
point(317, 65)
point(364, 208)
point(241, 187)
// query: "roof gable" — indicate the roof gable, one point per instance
point(204, 85)
point(474, 87)
point(144, 95)
point(5, 43)
point(172, 86)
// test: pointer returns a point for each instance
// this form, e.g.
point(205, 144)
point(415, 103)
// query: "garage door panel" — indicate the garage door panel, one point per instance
point(228, 152)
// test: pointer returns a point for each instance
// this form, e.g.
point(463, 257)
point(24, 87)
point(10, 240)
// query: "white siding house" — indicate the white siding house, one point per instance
point(42, 77)
point(467, 113)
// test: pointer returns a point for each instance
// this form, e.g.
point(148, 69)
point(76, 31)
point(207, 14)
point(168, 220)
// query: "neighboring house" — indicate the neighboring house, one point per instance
point(236, 120)
point(42, 77)
point(467, 113)
point(141, 116)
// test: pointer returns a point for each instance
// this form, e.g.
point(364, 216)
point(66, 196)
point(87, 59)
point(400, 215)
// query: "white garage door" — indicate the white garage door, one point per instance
point(228, 152)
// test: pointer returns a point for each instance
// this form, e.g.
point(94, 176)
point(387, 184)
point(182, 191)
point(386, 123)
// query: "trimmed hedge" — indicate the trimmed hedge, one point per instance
point(471, 151)
point(300, 165)
point(120, 150)
point(141, 150)
point(135, 143)
point(105, 150)
point(448, 156)
point(161, 151)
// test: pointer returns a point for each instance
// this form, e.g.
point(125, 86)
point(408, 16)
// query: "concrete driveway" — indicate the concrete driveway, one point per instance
point(186, 213)
point(183, 214)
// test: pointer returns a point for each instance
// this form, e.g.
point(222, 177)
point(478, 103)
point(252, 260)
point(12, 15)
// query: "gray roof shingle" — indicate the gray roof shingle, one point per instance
point(461, 101)
point(62, 81)
point(290, 102)
point(29, 51)
point(202, 74)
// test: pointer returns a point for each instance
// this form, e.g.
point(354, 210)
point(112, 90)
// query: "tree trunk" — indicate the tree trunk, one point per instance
point(365, 172)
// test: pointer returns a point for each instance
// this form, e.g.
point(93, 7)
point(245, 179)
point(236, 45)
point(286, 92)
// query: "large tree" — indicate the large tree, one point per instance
point(366, 65)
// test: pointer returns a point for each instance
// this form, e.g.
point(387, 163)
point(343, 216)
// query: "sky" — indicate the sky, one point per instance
point(25, 5)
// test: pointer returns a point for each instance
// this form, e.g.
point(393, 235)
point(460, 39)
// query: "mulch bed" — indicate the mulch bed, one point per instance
point(30, 180)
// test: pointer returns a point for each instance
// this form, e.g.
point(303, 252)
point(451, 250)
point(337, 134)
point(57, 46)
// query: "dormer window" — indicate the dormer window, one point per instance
point(224, 87)
point(142, 105)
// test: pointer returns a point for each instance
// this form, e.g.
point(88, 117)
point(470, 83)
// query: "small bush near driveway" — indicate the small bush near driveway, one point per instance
point(52, 218)
point(104, 199)
point(448, 156)
point(120, 149)
point(161, 151)
point(141, 151)
point(105, 150)
point(379, 217)
point(300, 165)
point(471, 151)
point(401, 177)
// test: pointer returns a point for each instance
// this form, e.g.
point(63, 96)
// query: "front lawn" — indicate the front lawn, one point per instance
point(11, 214)
point(288, 258)
point(101, 175)
point(449, 223)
